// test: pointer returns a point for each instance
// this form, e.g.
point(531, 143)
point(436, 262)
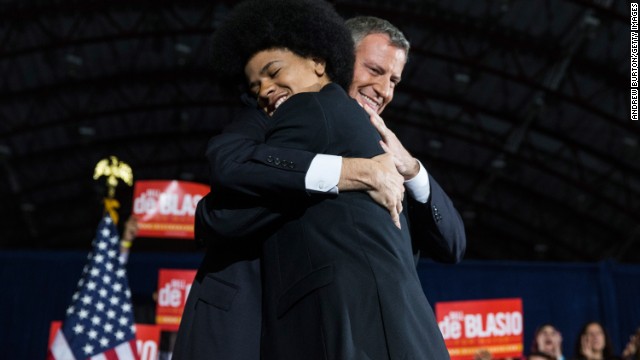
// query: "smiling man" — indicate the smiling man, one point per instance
point(222, 318)
point(381, 54)
point(377, 71)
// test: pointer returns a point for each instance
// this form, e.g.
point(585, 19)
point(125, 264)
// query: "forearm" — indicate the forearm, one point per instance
point(236, 206)
point(357, 174)
point(253, 168)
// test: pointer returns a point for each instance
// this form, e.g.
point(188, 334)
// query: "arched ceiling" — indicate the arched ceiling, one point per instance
point(520, 108)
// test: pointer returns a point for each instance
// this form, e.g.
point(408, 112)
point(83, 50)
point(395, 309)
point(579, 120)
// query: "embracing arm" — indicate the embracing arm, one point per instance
point(241, 162)
point(236, 206)
point(436, 227)
point(244, 167)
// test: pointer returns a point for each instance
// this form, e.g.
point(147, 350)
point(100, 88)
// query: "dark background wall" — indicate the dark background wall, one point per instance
point(519, 108)
point(37, 288)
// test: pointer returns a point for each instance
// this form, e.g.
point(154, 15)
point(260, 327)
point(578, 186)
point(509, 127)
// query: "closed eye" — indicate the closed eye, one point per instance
point(375, 70)
point(274, 73)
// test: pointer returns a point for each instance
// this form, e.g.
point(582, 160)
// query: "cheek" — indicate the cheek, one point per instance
point(286, 80)
point(293, 83)
point(302, 80)
point(361, 78)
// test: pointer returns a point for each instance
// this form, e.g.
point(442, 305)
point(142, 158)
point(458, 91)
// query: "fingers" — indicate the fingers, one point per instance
point(389, 200)
point(398, 207)
point(385, 147)
point(395, 217)
point(394, 203)
point(388, 189)
point(377, 122)
point(369, 110)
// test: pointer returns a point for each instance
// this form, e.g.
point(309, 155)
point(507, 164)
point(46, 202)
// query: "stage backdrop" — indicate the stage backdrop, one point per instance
point(37, 288)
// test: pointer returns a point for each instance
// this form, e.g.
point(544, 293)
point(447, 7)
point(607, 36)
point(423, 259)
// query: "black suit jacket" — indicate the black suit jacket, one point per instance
point(245, 166)
point(339, 277)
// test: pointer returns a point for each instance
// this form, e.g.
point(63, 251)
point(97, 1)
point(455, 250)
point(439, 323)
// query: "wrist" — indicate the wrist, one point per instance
point(412, 170)
point(356, 174)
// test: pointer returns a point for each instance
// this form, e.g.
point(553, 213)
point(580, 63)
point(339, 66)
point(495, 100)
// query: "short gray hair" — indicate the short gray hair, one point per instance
point(361, 26)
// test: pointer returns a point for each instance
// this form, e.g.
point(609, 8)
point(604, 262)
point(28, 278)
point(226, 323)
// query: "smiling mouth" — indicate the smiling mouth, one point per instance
point(280, 101)
point(276, 105)
point(375, 105)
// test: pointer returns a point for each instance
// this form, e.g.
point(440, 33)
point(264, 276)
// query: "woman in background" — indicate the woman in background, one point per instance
point(593, 343)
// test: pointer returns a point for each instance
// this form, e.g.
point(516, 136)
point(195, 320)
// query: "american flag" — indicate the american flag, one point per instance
point(99, 322)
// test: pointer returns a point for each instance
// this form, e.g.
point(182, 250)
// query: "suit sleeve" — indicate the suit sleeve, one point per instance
point(270, 162)
point(251, 181)
point(437, 229)
point(241, 162)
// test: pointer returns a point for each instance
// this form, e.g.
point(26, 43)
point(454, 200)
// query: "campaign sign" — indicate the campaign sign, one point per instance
point(147, 339)
point(173, 289)
point(469, 326)
point(166, 208)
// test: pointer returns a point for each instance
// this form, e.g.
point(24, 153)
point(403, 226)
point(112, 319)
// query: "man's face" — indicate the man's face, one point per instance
point(377, 71)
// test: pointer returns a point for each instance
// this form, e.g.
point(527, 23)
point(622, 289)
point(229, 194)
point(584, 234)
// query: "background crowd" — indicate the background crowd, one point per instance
point(592, 343)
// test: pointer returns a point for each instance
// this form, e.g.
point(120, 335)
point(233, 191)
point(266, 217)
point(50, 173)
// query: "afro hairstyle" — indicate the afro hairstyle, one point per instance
point(308, 28)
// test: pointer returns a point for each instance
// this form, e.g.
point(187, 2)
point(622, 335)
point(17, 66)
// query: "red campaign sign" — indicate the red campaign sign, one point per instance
point(166, 208)
point(469, 326)
point(173, 289)
point(147, 339)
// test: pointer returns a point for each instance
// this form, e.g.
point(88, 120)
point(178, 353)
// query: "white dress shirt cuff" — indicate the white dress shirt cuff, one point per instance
point(418, 186)
point(324, 174)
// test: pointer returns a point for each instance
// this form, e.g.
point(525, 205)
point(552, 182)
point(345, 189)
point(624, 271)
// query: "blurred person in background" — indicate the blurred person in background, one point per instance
point(547, 340)
point(129, 234)
point(632, 350)
point(593, 343)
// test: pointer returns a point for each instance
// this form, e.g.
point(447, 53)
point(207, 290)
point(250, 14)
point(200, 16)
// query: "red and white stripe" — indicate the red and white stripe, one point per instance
point(60, 350)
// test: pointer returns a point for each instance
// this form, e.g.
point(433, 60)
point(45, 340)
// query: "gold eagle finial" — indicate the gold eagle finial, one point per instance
point(113, 169)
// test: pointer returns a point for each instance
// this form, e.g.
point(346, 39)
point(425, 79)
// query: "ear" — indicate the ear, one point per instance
point(319, 66)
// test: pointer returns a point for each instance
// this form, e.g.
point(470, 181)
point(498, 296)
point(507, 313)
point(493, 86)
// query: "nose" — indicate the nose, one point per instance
point(265, 93)
point(266, 89)
point(384, 88)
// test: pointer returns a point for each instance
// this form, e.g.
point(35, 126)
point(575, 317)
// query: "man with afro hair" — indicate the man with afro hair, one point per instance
point(311, 30)
point(334, 288)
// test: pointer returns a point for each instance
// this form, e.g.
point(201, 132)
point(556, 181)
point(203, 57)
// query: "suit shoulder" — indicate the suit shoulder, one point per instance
point(247, 120)
point(329, 93)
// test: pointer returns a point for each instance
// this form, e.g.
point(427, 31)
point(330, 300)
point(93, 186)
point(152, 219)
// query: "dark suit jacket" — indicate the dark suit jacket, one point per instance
point(222, 318)
point(332, 253)
point(243, 165)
